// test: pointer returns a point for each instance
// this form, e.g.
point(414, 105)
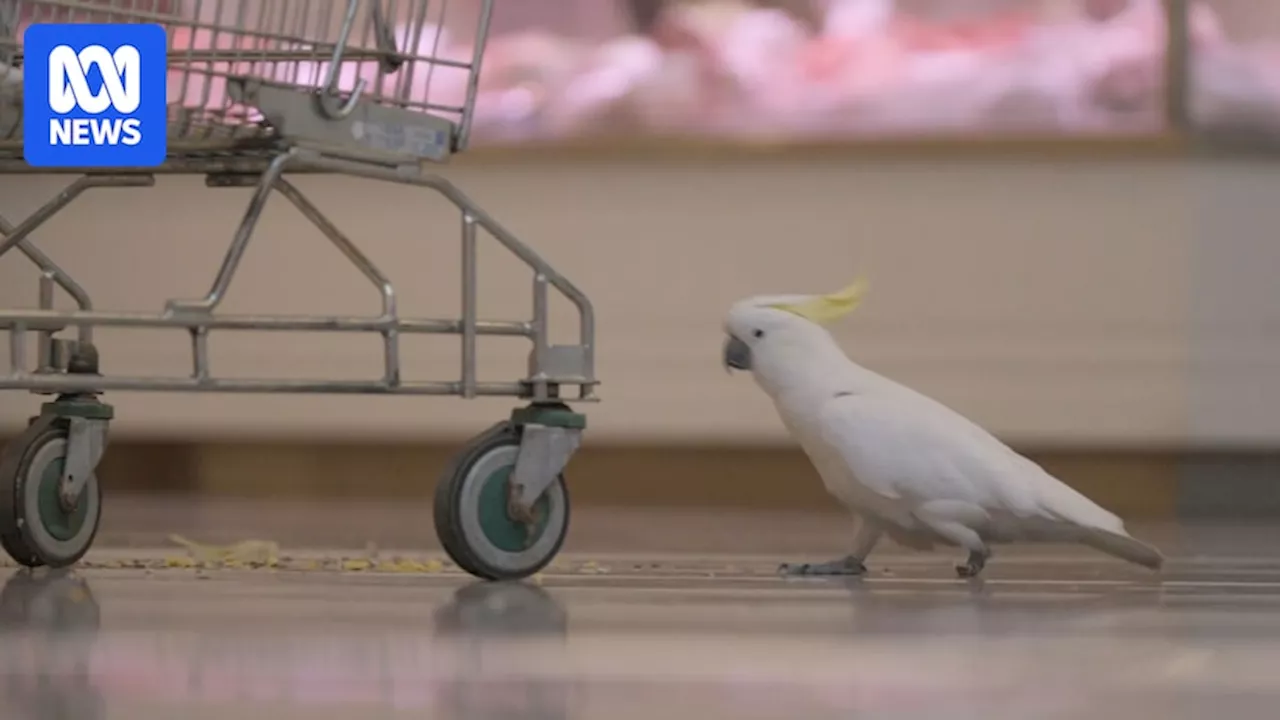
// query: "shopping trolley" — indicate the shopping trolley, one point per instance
point(258, 91)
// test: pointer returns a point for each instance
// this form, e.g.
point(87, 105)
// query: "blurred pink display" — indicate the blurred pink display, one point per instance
point(726, 68)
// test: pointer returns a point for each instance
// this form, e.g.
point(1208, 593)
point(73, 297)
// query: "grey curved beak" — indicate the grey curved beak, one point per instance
point(737, 355)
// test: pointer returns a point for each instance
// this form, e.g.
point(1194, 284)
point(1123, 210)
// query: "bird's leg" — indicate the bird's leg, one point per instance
point(971, 567)
point(955, 521)
point(864, 540)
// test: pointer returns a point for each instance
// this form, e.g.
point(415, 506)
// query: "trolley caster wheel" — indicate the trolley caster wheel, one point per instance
point(40, 530)
point(472, 519)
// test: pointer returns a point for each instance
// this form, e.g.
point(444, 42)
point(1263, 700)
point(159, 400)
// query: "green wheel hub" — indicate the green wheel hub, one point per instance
point(59, 523)
point(499, 527)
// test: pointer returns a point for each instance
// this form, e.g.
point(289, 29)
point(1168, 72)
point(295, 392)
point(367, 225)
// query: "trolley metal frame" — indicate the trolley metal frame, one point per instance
point(367, 131)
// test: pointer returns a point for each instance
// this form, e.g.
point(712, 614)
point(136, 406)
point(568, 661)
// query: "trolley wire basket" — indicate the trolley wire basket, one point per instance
point(376, 77)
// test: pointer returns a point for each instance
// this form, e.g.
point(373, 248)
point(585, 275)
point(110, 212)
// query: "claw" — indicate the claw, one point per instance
point(972, 567)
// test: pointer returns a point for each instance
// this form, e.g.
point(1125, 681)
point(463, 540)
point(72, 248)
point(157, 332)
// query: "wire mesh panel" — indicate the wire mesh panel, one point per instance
point(379, 76)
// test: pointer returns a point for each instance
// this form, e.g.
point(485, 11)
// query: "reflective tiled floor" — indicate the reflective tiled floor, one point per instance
point(673, 635)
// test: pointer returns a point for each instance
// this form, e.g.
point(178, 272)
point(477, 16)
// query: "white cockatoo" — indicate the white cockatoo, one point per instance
point(908, 466)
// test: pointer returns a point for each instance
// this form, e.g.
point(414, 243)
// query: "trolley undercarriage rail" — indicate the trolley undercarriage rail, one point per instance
point(550, 366)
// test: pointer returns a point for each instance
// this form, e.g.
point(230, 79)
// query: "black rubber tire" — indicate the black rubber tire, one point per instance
point(447, 510)
point(11, 537)
point(18, 541)
point(448, 528)
point(15, 548)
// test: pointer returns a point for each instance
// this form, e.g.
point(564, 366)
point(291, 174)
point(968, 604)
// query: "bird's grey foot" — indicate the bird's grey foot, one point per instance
point(845, 566)
point(973, 566)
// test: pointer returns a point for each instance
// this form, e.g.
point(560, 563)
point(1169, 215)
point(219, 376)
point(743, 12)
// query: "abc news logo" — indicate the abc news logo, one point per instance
point(120, 90)
point(96, 97)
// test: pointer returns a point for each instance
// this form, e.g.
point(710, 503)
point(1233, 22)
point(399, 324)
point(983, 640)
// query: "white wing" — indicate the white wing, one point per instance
point(903, 445)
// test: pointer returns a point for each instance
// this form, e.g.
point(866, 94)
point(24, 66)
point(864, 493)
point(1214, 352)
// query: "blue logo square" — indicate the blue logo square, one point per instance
point(94, 95)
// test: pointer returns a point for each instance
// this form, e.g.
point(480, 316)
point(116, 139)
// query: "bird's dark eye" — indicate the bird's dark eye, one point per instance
point(757, 333)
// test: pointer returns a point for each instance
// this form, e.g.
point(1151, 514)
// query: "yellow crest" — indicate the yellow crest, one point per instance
point(824, 309)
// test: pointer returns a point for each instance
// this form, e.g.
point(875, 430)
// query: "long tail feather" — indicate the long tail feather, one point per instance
point(1123, 547)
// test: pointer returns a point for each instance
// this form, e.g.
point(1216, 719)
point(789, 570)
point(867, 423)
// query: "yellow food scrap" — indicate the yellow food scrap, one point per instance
point(402, 565)
point(179, 562)
point(356, 565)
point(247, 552)
point(407, 565)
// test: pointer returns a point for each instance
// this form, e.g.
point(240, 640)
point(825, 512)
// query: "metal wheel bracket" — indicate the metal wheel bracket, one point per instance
point(86, 443)
point(87, 420)
point(549, 415)
point(545, 450)
point(86, 407)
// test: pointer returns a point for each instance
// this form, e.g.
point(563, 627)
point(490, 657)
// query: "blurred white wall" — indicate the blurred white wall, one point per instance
point(1055, 303)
